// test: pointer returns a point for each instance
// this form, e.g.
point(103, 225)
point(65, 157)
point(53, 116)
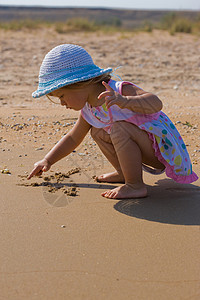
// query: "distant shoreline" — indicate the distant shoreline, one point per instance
point(129, 18)
point(95, 8)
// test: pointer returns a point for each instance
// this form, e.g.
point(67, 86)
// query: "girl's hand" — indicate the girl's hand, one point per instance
point(112, 97)
point(40, 167)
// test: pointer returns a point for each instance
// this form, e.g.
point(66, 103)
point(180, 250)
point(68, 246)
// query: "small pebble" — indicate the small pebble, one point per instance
point(5, 171)
point(35, 184)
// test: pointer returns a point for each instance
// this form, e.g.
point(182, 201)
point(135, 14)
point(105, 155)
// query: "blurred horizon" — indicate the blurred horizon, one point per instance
point(180, 5)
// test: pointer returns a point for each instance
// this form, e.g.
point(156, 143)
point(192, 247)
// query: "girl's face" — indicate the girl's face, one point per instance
point(72, 98)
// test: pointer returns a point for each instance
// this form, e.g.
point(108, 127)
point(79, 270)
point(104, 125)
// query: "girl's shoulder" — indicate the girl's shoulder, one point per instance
point(118, 86)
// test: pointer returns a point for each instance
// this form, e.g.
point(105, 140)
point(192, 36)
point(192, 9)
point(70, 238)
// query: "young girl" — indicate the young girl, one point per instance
point(125, 121)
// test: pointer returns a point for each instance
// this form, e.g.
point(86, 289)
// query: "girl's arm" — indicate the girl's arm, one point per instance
point(140, 101)
point(64, 147)
point(132, 98)
point(69, 142)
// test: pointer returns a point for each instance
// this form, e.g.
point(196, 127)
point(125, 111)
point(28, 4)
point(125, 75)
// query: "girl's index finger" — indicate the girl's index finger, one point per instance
point(30, 175)
point(107, 86)
point(103, 94)
point(33, 172)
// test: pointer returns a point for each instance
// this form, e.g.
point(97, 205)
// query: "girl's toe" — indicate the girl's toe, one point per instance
point(107, 194)
point(104, 194)
point(112, 194)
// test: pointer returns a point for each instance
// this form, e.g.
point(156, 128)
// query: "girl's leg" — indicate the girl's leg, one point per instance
point(133, 147)
point(103, 140)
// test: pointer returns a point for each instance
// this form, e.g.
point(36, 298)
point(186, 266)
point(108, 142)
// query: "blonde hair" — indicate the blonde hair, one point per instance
point(95, 80)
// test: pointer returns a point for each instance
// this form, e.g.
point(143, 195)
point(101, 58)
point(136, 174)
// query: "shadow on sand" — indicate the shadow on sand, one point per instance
point(168, 202)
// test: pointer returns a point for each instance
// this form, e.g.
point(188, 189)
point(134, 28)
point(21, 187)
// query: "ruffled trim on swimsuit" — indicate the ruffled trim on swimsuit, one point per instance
point(169, 170)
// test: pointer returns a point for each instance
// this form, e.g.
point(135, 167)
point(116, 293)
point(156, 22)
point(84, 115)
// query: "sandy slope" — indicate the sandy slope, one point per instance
point(58, 246)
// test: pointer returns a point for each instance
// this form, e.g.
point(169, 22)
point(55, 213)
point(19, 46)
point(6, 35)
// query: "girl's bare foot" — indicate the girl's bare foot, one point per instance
point(126, 191)
point(110, 177)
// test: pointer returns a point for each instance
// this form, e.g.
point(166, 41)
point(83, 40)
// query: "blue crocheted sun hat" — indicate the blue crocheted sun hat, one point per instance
point(64, 65)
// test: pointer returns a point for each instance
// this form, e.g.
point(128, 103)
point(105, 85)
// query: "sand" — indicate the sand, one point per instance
point(59, 238)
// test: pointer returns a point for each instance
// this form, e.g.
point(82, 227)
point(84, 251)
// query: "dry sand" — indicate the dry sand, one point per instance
point(59, 238)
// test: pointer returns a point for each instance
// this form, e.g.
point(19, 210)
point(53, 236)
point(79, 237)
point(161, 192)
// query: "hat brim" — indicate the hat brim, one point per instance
point(42, 91)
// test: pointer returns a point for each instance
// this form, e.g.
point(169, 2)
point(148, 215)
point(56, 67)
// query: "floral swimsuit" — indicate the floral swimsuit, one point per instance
point(167, 143)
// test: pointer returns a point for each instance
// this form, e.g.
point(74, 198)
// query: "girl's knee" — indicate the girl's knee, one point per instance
point(119, 133)
point(118, 128)
point(99, 134)
point(123, 128)
point(122, 131)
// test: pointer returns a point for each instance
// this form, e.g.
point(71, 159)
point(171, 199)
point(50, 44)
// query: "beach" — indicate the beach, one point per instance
point(60, 239)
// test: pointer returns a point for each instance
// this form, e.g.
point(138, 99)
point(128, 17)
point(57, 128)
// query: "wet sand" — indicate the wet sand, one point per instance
point(59, 238)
